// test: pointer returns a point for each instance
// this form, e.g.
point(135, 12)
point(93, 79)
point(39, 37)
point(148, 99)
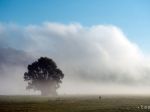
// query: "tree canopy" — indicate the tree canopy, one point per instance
point(43, 75)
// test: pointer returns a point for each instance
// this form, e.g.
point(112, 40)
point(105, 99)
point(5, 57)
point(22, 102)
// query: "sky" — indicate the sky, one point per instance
point(98, 44)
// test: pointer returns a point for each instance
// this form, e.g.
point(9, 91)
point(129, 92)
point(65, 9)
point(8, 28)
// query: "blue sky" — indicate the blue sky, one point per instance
point(132, 16)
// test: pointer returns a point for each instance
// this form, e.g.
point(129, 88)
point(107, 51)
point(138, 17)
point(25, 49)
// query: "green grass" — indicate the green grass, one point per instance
point(73, 104)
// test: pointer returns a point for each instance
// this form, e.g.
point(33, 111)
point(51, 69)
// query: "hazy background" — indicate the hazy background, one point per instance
point(102, 46)
point(95, 60)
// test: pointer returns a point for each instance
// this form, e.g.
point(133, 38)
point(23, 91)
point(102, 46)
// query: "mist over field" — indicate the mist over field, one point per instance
point(98, 59)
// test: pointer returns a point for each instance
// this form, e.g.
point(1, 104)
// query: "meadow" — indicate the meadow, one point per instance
point(87, 103)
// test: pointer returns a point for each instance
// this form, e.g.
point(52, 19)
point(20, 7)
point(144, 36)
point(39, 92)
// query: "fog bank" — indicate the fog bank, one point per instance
point(95, 59)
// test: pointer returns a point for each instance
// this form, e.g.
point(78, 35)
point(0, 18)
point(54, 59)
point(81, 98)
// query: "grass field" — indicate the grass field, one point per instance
point(74, 104)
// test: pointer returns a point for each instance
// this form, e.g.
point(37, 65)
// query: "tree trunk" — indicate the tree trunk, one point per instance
point(48, 90)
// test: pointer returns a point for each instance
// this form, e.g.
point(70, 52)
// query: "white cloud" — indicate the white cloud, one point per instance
point(99, 54)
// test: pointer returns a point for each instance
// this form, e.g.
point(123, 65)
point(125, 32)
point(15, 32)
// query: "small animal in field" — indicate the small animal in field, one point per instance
point(99, 97)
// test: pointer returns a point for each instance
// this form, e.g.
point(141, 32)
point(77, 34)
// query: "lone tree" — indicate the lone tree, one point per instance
point(43, 75)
